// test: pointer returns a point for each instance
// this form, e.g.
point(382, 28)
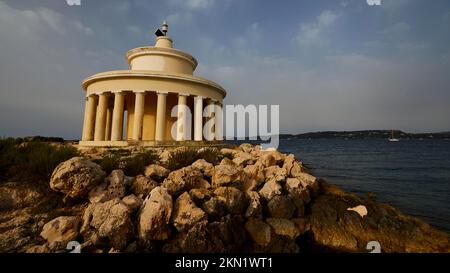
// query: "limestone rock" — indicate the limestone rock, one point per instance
point(259, 231)
point(228, 174)
point(292, 166)
point(270, 190)
point(243, 159)
point(275, 173)
point(271, 158)
point(200, 196)
point(254, 209)
point(233, 199)
point(204, 166)
point(133, 202)
point(215, 207)
point(310, 181)
point(110, 221)
point(76, 177)
point(284, 227)
point(281, 207)
point(142, 185)
point(361, 210)
point(114, 186)
point(225, 151)
point(154, 217)
point(61, 230)
point(183, 180)
point(156, 172)
point(246, 147)
point(186, 214)
point(255, 176)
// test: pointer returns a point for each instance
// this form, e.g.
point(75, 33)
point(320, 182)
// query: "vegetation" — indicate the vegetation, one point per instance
point(131, 165)
point(184, 157)
point(33, 159)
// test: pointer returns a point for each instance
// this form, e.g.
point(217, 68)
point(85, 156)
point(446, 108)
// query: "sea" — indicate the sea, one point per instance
point(411, 175)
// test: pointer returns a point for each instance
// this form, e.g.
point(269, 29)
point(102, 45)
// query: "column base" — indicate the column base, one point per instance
point(149, 143)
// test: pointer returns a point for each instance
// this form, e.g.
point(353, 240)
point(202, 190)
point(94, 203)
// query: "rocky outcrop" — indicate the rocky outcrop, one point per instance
point(259, 201)
point(76, 177)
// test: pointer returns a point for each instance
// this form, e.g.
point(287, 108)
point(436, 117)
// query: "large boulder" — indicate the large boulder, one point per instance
point(183, 180)
point(206, 168)
point(154, 217)
point(259, 231)
point(114, 186)
point(61, 230)
point(227, 173)
point(156, 172)
point(284, 227)
point(76, 177)
point(292, 166)
point(215, 207)
point(233, 199)
point(133, 202)
point(281, 207)
point(142, 186)
point(275, 173)
point(255, 177)
point(243, 159)
point(186, 214)
point(108, 223)
point(270, 190)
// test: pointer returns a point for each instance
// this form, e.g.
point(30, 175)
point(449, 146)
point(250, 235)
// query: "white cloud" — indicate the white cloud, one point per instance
point(192, 4)
point(314, 34)
point(396, 29)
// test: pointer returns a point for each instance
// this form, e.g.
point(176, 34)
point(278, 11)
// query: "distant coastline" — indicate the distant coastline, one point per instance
point(366, 134)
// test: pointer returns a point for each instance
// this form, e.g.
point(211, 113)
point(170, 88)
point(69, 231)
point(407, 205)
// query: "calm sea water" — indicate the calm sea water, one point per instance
point(412, 175)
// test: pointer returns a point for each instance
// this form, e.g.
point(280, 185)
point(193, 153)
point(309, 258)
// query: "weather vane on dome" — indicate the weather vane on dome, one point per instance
point(165, 29)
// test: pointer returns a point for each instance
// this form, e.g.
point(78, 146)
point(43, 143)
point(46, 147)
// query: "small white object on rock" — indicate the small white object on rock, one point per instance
point(361, 210)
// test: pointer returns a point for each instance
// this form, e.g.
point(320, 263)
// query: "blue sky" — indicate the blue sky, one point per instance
point(329, 64)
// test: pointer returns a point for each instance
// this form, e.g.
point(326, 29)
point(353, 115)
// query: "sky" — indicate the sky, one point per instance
point(329, 64)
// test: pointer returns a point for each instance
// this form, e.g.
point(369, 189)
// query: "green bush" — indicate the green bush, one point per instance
point(32, 159)
point(109, 162)
point(211, 155)
point(136, 164)
point(181, 158)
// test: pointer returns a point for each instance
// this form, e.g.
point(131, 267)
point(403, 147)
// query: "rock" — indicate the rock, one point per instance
point(254, 209)
point(396, 232)
point(292, 166)
point(243, 159)
point(271, 158)
point(275, 173)
point(183, 180)
point(142, 186)
point(200, 196)
point(16, 195)
point(114, 187)
point(133, 202)
point(270, 190)
point(284, 227)
point(156, 172)
point(110, 221)
point(61, 230)
point(228, 174)
point(281, 207)
point(246, 147)
point(186, 214)
point(299, 195)
point(224, 236)
point(361, 210)
point(259, 231)
point(76, 177)
point(154, 217)
point(227, 151)
point(255, 176)
point(215, 207)
point(233, 199)
point(309, 181)
point(302, 224)
point(204, 166)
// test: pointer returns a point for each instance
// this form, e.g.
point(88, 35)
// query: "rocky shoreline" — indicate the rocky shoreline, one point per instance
point(252, 201)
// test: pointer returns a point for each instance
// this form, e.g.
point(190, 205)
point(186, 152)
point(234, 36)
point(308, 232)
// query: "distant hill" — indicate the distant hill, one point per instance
point(367, 134)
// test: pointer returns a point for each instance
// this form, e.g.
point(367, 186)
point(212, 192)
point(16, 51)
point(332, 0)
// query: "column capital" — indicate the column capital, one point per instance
point(162, 93)
point(139, 91)
point(184, 94)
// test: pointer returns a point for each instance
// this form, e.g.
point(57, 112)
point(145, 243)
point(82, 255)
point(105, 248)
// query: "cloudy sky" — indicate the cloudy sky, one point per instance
point(329, 64)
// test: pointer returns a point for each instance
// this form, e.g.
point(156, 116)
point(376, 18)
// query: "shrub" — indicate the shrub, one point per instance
point(181, 158)
point(211, 155)
point(109, 162)
point(136, 164)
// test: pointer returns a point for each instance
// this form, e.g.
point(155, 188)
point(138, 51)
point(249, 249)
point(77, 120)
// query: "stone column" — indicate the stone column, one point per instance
point(161, 116)
point(89, 117)
point(138, 115)
point(108, 123)
point(117, 122)
point(198, 118)
point(100, 121)
point(218, 115)
point(182, 116)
